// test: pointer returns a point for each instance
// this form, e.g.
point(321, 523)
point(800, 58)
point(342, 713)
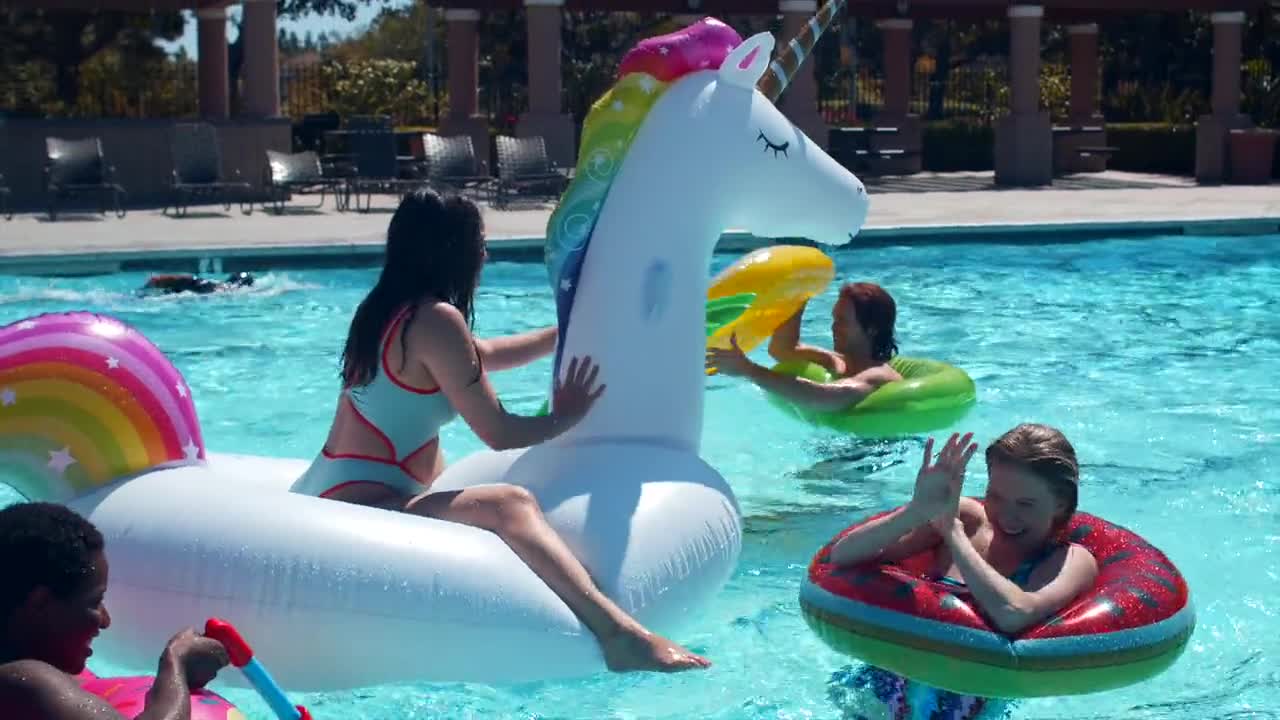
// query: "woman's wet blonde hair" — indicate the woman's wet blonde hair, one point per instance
point(1045, 452)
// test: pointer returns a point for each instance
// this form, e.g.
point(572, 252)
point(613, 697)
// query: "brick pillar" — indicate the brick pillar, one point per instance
point(212, 78)
point(1084, 72)
point(545, 116)
point(462, 39)
point(1024, 137)
point(1212, 130)
point(261, 59)
point(799, 102)
point(896, 111)
point(897, 67)
point(1083, 110)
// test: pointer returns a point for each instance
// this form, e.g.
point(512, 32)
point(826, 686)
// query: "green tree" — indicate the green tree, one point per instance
point(66, 39)
point(376, 87)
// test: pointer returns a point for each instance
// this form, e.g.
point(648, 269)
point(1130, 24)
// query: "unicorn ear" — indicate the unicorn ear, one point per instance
point(747, 63)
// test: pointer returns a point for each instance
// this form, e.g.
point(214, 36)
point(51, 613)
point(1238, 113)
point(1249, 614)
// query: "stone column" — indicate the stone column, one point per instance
point(261, 59)
point(896, 112)
point(1212, 130)
point(1084, 73)
point(212, 78)
point(799, 102)
point(545, 116)
point(464, 117)
point(1083, 110)
point(897, 67)
point(1024, 137)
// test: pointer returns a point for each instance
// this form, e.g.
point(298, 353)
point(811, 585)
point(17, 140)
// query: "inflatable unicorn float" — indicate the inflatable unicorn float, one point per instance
point(686, 144)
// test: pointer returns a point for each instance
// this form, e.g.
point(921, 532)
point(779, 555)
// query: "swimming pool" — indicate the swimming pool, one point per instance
point(1157, 357)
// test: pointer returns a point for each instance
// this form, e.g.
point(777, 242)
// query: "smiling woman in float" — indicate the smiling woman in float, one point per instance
point(1007, 554)
point(1007, 551)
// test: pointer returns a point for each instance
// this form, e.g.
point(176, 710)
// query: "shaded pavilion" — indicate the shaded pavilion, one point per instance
point(261, 56)
point(145, 167)
point(1025, 137)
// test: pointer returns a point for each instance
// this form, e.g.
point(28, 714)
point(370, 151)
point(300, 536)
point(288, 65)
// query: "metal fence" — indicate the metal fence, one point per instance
point(975, 93)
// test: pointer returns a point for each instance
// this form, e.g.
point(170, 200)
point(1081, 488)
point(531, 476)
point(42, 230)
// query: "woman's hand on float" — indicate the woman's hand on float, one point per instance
point(729, 361)
point(575, 395)
point(937, 492)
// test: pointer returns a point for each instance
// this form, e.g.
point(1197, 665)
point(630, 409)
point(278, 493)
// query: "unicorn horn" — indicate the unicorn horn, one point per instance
point(784, 67)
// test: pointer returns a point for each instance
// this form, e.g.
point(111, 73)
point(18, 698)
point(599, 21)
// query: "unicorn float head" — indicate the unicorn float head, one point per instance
point(686, 145)
point(85, 401)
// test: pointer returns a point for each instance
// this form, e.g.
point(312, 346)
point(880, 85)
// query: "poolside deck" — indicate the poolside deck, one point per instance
point(924, 207)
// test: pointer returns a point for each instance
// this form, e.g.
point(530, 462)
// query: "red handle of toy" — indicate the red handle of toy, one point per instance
point(222, 631)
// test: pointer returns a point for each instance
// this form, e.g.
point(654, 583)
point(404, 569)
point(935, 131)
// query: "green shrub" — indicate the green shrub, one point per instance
point(955, 145)
point(1153, 148)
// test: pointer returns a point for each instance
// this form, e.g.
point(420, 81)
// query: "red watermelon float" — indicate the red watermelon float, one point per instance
point(1133, 624)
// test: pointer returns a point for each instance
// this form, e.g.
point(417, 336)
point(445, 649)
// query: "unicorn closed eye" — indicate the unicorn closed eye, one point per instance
point(686, 144)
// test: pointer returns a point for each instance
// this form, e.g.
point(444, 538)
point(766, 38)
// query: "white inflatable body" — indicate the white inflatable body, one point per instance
point(333, 595)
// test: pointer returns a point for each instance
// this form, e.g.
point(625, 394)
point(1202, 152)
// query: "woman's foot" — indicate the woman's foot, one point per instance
point(632, 649)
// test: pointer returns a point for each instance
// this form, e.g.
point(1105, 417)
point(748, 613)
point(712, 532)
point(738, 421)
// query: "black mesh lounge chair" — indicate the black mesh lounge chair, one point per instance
point(377, 167)
point(451, 164)
point(197, 170)
point(76, 167)
point(298, 173)
point(309, 134)
point(525, 170)
point(5, 208)
point(369, 122)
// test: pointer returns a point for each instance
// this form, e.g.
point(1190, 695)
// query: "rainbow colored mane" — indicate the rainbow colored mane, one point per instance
point(86, 400)
point(612, 123)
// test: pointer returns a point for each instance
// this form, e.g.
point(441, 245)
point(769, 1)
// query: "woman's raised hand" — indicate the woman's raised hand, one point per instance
point(939, 482)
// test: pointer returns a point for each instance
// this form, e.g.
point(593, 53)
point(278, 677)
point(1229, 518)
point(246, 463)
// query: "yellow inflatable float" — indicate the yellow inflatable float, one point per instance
point(781, 278)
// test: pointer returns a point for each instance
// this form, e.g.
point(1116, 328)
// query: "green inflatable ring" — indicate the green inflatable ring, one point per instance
point(720, 312)
point(932, 395)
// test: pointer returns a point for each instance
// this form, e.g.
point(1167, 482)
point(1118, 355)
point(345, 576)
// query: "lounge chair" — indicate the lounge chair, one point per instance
point(451, 164)
point(77, 167)
point(197, 170)
point(377, 167)
point(525, 170)
point(309, 134)
point(5, 208)
point(300, 173)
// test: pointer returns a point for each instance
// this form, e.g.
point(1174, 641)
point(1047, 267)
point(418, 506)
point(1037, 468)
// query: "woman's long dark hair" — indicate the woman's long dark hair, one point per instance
point(435, 248)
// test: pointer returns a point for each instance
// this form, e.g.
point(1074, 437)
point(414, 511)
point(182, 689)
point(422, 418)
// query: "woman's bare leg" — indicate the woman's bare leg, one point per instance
point(513, 514)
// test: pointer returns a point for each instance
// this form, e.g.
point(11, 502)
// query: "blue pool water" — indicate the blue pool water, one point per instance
point(1157, 357)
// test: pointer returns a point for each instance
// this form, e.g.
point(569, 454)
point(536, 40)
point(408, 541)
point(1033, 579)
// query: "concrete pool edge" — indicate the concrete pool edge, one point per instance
point(367, 251)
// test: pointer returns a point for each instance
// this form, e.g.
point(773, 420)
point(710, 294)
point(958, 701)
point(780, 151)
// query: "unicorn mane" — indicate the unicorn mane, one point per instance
point(646, 72)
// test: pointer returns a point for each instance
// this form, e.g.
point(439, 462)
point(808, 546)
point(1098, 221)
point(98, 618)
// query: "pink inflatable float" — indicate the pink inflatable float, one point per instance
point(128, 695)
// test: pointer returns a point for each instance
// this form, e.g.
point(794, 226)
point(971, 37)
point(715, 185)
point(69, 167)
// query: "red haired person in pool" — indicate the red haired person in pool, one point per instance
point(411, 364)
point(51, 609)
point(862, 344)
point(1008, 552)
